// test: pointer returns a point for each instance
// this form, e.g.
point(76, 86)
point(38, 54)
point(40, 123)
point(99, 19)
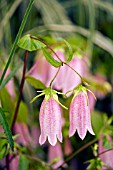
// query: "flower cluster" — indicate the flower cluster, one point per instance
point(50, 116)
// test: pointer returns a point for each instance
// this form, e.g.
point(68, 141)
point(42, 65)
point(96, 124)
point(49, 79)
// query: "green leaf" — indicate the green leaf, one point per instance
point(30, 44)
point(35, 82)
point(97, 122)
point(107, 143)
point(70, 51)
point(5, 81)
point(3, 148)
point(23, 162)
point(50, 59)
point(95, 164)
point(6, 128)
point(22, 113)
point(9, 106)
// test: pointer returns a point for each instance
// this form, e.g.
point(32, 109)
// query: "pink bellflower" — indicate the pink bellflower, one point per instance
point(80, 114)
point(50, 117)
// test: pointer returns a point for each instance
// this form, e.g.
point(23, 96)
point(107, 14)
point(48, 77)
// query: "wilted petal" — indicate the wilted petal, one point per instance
point(80, 116)
point(50, 121)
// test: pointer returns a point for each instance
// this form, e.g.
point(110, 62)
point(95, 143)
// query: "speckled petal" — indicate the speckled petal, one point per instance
point(50, 121)
point(80, 116)
point(42, 139)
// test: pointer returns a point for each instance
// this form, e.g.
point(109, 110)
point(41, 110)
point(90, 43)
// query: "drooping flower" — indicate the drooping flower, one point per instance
point(80, 115)
point(107, 156)
point(50, 122)
point(50, 117)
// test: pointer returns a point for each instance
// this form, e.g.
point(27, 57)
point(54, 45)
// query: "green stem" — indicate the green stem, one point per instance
point(78, 151)
point(17, 38)
point(74, 71)
point(57, 57)
point(47, 47)
point(54, 77)
point(91, 9)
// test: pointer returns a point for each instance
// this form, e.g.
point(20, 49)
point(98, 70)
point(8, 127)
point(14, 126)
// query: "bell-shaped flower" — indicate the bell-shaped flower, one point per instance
point(50, 117)
point(80, 114)
point(50, 122)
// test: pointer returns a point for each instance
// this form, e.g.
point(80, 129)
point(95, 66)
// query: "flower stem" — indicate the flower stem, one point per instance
point(54, 77)
point(78, 151)
point(74, 71)
point(57, 56)
point(48, 47)
point(21, 89)
point(105, 151)
point(17, 38)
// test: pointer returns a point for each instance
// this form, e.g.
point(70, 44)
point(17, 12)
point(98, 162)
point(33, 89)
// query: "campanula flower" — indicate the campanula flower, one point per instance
point(80, 115)
point(50, 122)
point(50, 117)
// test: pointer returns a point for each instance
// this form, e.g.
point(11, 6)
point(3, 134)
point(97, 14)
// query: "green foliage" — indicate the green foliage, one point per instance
point(95, 164)
point(70, 51)
point(30, 44)
point(97, 122)
point(35, 82)
point(106, 143)
point(23, 162)
point(9, 106)
point(5, 81)
point(3, 148)
point(6, 128)
point(50, 59)
point(23, 113)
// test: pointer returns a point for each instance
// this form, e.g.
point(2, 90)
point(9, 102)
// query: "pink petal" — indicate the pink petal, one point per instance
point(42, 139)
point(80, 116)
point(50, 121)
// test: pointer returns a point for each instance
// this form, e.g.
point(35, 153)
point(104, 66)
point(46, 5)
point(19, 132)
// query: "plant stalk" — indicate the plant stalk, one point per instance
point(20, 94)
point(16, 39)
